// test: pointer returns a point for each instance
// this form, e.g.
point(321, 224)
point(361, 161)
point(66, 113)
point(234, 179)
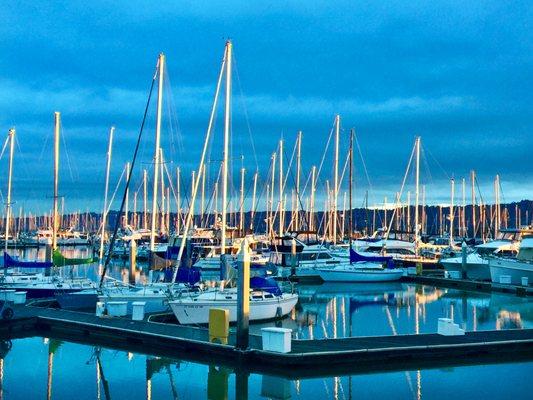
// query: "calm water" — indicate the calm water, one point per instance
point(38, 368)
point(334, 310)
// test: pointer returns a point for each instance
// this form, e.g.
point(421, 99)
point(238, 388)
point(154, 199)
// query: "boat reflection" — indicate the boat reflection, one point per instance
point(336, 310)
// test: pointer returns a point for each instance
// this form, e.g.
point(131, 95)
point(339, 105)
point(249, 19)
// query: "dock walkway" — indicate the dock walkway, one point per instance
point(307, 358)
point(468, 284)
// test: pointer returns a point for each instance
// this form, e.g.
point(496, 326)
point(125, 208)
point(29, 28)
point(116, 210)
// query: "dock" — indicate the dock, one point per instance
point(308, 358)
point(468, 284)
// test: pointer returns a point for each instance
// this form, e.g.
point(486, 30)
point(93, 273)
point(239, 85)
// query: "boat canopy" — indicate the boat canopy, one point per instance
point(13, 262)
point(188, 275)
point(267, 284)
point(61, 261)
point(356, 257)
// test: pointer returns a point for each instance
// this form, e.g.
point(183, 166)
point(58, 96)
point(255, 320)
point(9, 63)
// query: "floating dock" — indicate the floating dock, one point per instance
point(468, 284)
point(307, 358)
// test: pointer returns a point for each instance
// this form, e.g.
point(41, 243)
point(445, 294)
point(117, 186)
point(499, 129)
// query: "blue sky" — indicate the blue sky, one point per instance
point(457, 73)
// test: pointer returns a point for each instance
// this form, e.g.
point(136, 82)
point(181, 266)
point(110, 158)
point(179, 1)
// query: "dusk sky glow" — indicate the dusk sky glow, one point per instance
point(459, 74)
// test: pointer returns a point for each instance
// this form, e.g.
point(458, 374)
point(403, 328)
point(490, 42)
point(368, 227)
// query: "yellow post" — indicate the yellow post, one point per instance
point(218, 325)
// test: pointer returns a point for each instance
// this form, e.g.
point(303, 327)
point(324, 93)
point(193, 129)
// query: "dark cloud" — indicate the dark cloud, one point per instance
point(458, 74)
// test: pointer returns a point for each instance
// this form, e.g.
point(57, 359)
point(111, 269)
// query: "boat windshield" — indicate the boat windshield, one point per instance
point(508, 236)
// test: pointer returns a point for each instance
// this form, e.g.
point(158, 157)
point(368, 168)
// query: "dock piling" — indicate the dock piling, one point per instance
point(243, 296)
point(463, 259)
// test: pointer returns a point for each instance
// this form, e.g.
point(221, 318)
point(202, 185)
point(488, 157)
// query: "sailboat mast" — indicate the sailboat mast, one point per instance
point(417, 192)
point(252, 213)
point(312, 201)
point(162, 226)
point(497, 209)
point(336, 178)
point(156, 151)
point(463, 211)
point(107, 172)
point(281, 210)
point(178, 200)
point(241, 208)
point(298, 167)
point(191, 208)
point(8, 204)
point(127, 205)
point(227, 114)
point(350, 223)
point(452, 212)
point(145, 201)
point(473, 179)
point(55, 222)
point(202, 199)
point(273, 177)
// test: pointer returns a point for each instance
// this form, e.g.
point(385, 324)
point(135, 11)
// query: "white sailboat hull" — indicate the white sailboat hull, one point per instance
point(190, 311)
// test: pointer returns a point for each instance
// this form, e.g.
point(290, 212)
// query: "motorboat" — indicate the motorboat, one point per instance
point(294, 258)
point(519, 270)
point(359, 272)
point(477, 262)
point(362, 269)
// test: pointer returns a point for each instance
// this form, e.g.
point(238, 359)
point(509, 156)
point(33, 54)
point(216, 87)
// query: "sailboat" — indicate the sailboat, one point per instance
point(11, 261)
point(360, 268)
point(41, 285)
point(13, 279)
point(265, 303)
point(154, 294)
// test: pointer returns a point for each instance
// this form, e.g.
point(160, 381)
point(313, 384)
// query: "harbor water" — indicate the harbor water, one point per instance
point(42, 367)
point(38, 368)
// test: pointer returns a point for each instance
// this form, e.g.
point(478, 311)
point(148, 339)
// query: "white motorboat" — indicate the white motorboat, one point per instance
point(477, 267)
point(477, 262)
point(294, 258)
point(263, 305)
point(516, 269)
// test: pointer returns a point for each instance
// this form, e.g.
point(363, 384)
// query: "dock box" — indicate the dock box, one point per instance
point(505, 279)
point(117, 308)
point(138, 310)
point(19, 297)
point(446, 327)
point(276, 339)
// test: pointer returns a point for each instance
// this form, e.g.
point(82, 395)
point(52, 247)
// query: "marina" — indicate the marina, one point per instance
point(266, 201)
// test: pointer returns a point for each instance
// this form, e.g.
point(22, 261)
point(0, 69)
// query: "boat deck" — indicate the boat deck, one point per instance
point(307, 358)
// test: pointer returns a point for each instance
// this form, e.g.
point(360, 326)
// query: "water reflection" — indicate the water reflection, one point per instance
point(335, 310)
point(37, 368)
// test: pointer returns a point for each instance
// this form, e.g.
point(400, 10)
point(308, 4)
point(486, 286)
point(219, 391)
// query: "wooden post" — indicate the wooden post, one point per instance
point(243, 296)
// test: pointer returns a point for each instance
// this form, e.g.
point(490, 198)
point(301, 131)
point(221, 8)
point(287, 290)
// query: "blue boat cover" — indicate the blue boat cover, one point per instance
point(190, 275)
point(267, 284)
point(12, 262)
point(356, 257)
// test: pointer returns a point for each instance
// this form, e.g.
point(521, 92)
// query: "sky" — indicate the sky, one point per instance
point(458, 74)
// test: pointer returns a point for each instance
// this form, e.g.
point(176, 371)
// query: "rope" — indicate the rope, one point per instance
point(117, 222)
